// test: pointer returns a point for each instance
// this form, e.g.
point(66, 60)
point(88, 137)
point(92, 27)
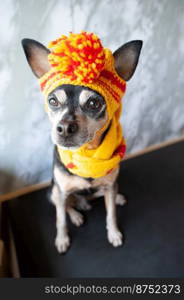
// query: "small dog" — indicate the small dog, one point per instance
point(79, 116)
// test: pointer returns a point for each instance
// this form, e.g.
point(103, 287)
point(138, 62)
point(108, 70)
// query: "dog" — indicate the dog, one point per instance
point(78, 115)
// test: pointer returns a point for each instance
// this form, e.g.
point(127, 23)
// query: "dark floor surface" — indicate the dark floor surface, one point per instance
point(152, 223)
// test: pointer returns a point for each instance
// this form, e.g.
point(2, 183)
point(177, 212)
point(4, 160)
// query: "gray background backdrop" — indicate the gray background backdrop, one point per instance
point(153, 104)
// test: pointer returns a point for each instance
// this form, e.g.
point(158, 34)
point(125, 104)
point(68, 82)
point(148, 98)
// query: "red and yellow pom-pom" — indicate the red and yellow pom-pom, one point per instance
point(78, 56)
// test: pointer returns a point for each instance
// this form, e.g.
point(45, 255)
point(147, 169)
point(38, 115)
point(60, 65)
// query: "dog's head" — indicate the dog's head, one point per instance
point(78, 113)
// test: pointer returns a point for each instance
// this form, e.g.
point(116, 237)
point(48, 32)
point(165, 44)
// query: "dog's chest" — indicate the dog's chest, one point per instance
point(73, 183)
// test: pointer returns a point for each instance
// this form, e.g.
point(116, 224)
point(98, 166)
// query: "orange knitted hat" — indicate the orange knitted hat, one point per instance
point(80, 59)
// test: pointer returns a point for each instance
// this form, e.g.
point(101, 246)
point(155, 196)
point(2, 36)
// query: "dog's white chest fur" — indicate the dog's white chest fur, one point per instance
point(74, 183)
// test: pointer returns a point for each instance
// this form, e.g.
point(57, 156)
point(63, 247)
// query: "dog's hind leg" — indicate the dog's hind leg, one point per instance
point(75, 216)
point(82, 203)
point(120, 199)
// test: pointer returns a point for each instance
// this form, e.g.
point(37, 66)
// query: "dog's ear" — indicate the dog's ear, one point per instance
point(37, 56)
point(126, 59)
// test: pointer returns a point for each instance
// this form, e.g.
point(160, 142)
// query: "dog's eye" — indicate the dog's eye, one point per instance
point(53, 102)
point(93, 104)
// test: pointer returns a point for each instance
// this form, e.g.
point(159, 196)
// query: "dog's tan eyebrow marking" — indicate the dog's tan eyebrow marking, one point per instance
point(84, 96)
point(61, 96)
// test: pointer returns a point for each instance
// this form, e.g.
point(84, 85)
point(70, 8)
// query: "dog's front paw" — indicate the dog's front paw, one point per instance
point(76, 218)
point(120, 200)
point(115, 237)
point(62, 243)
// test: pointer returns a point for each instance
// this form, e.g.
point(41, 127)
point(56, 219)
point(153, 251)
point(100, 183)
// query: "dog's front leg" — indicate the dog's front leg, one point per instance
point(113, 233)
point(62, 240)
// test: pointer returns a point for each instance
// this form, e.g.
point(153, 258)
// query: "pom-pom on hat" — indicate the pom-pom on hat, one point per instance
point(80, 56)
point(80, 59)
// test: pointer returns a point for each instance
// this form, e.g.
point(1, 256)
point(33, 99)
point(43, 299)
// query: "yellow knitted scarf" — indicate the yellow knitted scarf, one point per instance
point(80, 59)
point(98, 162)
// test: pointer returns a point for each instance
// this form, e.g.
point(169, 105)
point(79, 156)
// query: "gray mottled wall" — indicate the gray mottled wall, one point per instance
point(153, 105)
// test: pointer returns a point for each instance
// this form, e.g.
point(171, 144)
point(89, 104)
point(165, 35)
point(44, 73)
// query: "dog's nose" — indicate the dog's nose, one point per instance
point(66, 129)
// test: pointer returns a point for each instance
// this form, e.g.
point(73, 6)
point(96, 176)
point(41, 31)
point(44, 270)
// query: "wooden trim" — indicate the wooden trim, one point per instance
point(1, 258)
point(155, 147)
point(1, 252)
point(24, 190)
point(38, 186)
point(14, 266)
point(3, 261)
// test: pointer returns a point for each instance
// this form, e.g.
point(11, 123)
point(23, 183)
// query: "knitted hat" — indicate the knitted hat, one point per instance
point(80, 59)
